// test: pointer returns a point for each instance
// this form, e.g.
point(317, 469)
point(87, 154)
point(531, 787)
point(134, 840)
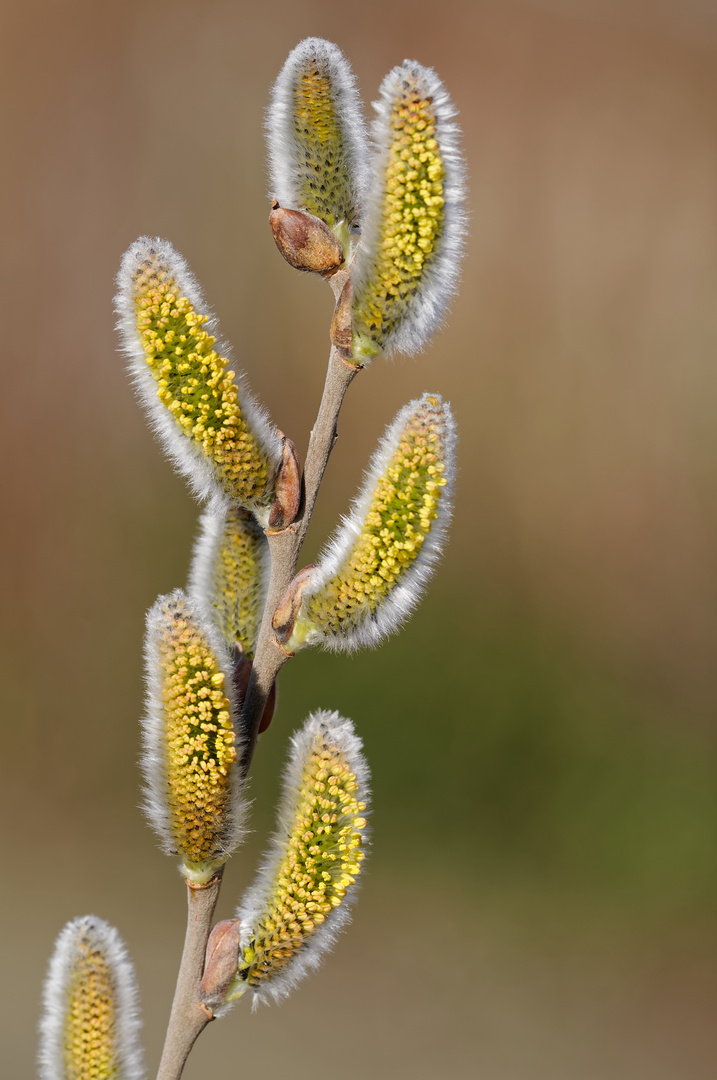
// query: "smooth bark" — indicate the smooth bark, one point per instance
point(189, 1016)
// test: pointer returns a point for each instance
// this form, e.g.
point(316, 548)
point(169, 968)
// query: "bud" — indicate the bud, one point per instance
point(220, 964)
point(90, 1024)
point(287, 487)
point(230, 572)
point(198, 404)
point(341, 329)
point(316, 138)
point(304, 241)
point(374, 571)
point(193, 794)
point(284, 618)
point(292, 914)
point(407, 266)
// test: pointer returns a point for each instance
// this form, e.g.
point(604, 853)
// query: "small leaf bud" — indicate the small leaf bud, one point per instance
point(288, 608)
point(287, 488)
point(305, 241)
point(341, 326)
point(221, 962)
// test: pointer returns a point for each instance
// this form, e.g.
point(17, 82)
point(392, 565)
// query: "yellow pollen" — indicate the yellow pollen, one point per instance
point(89, 1050)
point(411, 222)
point(236, 590)
point(323, 178)
point(199, 738)
point(199, 390)
point(404, 505)
point(317, 867)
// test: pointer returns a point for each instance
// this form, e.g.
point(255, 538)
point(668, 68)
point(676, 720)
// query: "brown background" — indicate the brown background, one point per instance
point(540, 900)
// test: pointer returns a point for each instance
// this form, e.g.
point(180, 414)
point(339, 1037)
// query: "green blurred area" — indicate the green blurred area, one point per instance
point(508, 751)
point(540, 896)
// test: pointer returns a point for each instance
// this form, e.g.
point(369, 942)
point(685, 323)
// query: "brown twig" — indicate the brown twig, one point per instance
point(286, 544)
point(189, 1016)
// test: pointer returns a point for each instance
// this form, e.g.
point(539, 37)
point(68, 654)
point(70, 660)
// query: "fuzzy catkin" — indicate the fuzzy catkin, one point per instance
point(374, 571)
point(193, 794)
point(90, 1024)
point(407, 265)
point(208, 422)
point(317, 141)
point(229, 573)
point(293, 913)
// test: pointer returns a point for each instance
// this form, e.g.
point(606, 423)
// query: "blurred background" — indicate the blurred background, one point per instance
point(540, 900)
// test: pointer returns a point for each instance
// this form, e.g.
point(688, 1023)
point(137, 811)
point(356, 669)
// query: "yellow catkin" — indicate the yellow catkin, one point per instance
point(197, 385)
point(89, 1051)
point(199, 739)
point(323, 179)
point(236, 588)
point(403, 506)
point(411, 220)
point(321, 861)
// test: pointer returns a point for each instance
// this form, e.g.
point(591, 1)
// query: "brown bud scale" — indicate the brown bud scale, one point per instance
point(220, 963)
point(288, 608)
point(341, 324)
point(287, 488)
point(305, 241)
